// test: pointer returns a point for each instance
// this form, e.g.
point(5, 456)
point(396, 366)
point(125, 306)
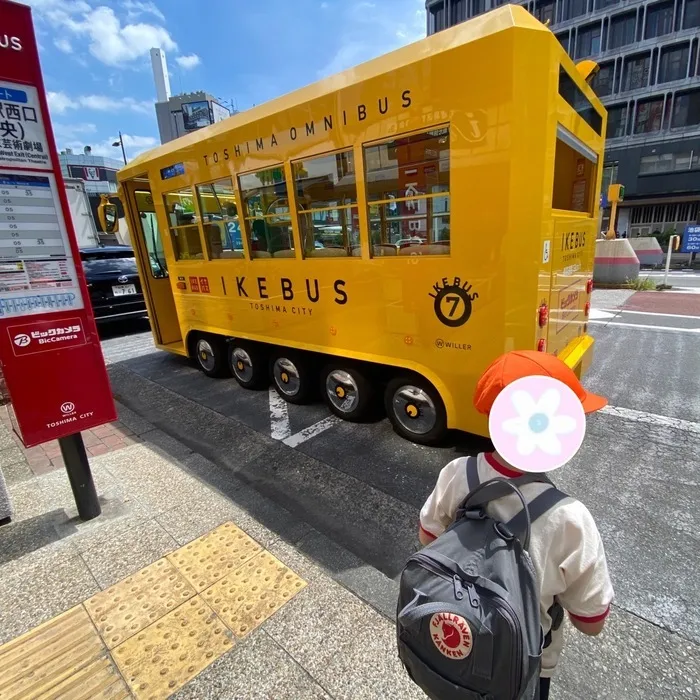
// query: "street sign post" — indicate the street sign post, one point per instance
point(49, 347)
point(691, 239)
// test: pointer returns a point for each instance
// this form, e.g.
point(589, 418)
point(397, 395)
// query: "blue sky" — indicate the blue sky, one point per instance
point(97, 69)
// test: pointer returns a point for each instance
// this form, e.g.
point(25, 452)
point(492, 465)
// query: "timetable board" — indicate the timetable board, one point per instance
point(37, 270)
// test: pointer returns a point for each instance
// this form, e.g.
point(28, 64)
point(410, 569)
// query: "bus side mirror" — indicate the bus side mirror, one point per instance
point(107, 214)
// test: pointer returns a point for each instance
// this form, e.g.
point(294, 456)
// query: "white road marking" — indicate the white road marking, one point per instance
point(642, 313)
point(685, 290)
point(652, 418)
point(598, 314)
point(279, 417)
point(666, 329)
point(311, 431)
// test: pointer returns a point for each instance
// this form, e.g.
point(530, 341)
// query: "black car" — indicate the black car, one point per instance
point(113, 283)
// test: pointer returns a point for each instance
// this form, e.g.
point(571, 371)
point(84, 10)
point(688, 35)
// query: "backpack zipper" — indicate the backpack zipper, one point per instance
point(444, 572)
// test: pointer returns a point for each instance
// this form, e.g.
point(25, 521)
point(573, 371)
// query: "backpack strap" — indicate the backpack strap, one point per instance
point(539, 505)
point(472, 474)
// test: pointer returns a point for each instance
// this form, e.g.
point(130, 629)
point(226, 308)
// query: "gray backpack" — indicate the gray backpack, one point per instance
point(468, 620)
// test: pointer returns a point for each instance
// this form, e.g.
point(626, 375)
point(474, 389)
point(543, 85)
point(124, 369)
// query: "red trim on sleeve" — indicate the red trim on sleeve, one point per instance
point(593, 618)
point(495, 464)
point(430, 534)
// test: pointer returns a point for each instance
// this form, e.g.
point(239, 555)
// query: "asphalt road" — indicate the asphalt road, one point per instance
point(362, 486)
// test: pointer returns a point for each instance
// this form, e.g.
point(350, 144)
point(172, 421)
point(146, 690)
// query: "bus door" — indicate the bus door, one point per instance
point(146, 237)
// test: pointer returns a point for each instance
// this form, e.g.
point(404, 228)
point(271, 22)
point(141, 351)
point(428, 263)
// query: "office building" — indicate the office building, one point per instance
point(649, 81)
point(99, 174)
point(178, 115)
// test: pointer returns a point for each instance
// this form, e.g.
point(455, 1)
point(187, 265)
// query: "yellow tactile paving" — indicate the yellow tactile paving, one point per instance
point(246, 597)
point(172, 651)
point(163, 624)
point(206, 560)
point(129, 606)
point(63, 658)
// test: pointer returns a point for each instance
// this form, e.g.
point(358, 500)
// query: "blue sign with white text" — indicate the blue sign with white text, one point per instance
point(691, 240)
point(12, 95)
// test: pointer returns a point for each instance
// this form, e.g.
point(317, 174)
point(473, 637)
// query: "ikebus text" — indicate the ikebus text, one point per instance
point(267, 289)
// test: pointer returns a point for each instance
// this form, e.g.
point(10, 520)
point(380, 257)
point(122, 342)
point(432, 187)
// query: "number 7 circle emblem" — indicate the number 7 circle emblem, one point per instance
point(453, 306)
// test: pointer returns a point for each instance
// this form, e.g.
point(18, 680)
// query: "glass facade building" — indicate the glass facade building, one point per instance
point(649, 81)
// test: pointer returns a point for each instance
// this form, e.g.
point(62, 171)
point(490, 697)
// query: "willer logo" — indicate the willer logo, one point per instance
point(67, 407)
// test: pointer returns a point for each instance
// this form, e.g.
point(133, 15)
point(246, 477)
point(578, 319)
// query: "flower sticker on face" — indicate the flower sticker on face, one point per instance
point(537, 424)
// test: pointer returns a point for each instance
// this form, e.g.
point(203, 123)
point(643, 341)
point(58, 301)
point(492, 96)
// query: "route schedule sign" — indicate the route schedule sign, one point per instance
point(691, 240)
point(49, 348)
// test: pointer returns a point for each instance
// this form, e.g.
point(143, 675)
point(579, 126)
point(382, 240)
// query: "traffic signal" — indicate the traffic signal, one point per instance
point(616, 193)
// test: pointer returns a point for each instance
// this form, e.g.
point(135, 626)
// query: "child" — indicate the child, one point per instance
point(565, 547)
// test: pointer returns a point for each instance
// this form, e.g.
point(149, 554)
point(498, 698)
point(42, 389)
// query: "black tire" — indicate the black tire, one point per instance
point(209, 352)
point(410, 398)
point(347, 392)
point(248, 364)
point(292, 375)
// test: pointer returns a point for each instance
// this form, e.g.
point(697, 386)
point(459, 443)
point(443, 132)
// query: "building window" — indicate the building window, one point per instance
point(674, 63)
point(266, 211)
point(222, 230)
point(326, 197)
point(602, 4)
point(602, 83)
point(686, 109)
point(692, 14)
point(573, 8)
point(636, 72)
point(622, 30)
point(436, 18)
point(609, 176)
point(563, 39)
point(667, 163)
point(544, 11)
point(617, 120)
point(408, 183)
point(458, 11)
point(659, 20)
point(648, 116)
point(182, 221)
point(588, 41)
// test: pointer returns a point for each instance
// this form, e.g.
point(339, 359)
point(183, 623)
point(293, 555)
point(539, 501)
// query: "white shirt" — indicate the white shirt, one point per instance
point(565, 546)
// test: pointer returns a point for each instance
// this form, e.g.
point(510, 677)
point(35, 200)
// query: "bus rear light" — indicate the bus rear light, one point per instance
point(587, 309)
point(589, 286)
point(543, 317)
point(542, 345)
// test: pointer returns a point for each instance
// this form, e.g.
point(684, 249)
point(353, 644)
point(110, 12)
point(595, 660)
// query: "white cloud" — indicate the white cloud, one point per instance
point(188, 62)
point(60, 103)
point(370, 29)
point(136, 9)
point(63, 45)
point(324, 5)
point(108, 40)
point(133, 145)
point(67, 131)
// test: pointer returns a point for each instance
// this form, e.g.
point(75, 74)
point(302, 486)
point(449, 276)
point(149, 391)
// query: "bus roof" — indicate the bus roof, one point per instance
point(479, 27)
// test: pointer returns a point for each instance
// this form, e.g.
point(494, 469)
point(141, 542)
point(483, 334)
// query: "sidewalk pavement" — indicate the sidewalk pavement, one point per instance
point(103, 608)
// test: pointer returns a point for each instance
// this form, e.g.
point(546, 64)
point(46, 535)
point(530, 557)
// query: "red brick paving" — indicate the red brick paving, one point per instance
point(665, 303)
point(47, 457)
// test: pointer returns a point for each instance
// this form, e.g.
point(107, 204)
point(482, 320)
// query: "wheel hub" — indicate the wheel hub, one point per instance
point(414, 409)
point(342, 390)
point(205, 353)
point(286, 375)
point(242, 365)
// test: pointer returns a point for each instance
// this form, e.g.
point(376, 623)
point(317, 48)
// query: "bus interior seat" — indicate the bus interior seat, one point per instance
point(378, 251)
point(327, 253)
point(430, 249)
point(285, 253)
point(232, 254)
point(260, 254)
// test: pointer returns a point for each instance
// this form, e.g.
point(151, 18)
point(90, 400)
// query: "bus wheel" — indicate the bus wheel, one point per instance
point(415, 410)
point(346, 392)
point(292, 377)
point(247, 365)
point(210, 353)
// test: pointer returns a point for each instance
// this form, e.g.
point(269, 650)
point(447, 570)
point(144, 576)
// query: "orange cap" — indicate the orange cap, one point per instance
point(525, 363)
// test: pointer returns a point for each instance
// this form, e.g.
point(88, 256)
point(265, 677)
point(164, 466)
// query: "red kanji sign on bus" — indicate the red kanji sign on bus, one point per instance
point(49, 347)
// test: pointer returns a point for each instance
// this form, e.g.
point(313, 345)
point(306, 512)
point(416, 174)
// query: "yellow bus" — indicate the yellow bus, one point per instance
point(386, 232)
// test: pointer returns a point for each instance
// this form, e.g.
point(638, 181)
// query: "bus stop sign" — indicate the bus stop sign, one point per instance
point(49, 347)
point(691, 239)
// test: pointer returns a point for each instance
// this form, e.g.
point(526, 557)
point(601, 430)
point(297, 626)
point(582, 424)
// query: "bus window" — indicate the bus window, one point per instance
point(182, 221)
point(222, 230)
point(151, 233)
point(574, 174)
point(326, 196)
point(408, 184)
point(266, 211)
